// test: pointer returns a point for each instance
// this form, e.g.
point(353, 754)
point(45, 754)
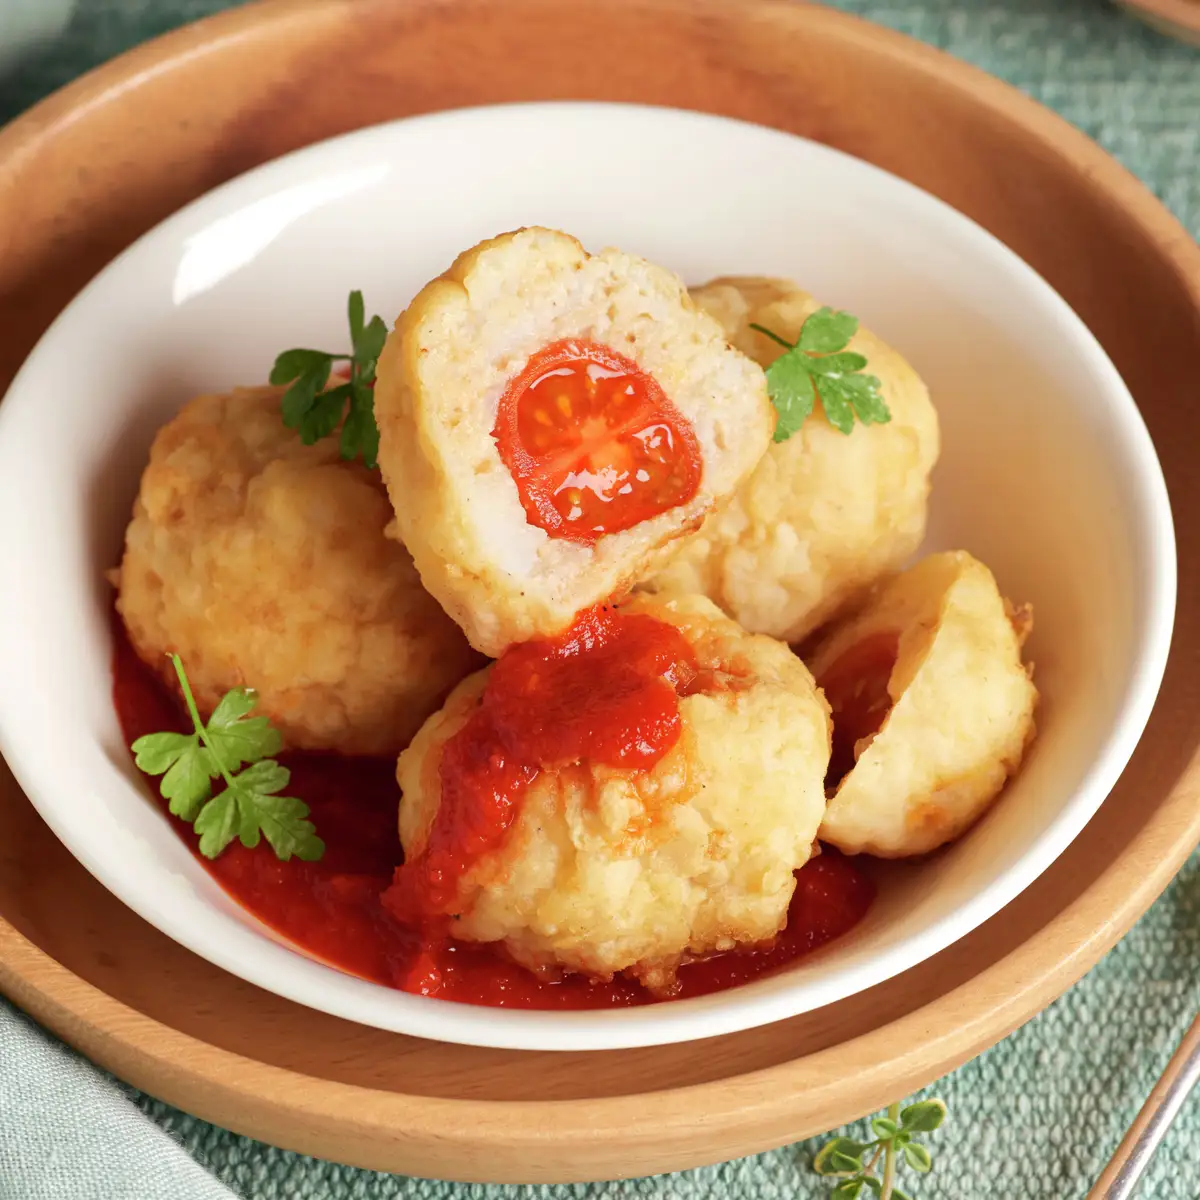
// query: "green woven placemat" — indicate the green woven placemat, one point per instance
point(1037, 1116)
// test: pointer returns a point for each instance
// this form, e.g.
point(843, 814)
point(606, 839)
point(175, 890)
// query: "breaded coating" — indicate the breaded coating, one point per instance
point(441, 379)
point(825, 513)
point(962, 705)
point(263, 562)
point(608, 869)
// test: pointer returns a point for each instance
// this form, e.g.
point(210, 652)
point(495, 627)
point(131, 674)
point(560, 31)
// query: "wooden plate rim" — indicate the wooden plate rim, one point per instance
point(802, 1096)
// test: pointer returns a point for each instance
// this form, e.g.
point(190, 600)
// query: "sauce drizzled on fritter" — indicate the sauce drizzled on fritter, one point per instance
point(333, 909)
point(604, 692)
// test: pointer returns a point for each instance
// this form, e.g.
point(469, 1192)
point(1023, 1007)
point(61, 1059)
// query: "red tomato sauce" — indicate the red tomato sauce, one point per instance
point(593, 443)
point(605, 692)
point(856, 686)
point(333, 908)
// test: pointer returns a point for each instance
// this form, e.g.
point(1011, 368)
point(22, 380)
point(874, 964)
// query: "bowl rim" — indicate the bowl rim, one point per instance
point(197, 925)
point(783, 1101)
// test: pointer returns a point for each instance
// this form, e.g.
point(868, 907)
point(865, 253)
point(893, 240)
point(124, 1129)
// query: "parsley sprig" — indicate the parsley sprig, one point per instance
point(249, 806)
point(314, 409)
point(819, 364)
point(894, 1139)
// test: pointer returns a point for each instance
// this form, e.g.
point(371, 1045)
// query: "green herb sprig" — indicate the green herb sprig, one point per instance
point(895, 1138)
point(819, 364)
point(314, 409)
point(249, 806)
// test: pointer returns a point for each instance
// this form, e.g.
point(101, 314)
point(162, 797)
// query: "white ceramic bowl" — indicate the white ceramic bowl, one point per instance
point(1047, 474)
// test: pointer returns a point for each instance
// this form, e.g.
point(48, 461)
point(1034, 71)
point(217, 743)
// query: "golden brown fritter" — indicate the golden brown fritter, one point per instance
point(441, 378)
point(610, 869)
point(263, 562)
point(961, 714)
point(825, 513)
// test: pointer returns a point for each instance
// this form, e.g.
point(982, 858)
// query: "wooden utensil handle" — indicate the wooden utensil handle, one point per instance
point(1162, 1106)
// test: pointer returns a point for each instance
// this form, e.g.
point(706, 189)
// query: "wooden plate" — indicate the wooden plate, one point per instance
point(103, 160)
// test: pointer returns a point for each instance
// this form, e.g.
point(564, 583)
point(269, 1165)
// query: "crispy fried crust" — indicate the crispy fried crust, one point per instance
point(263, 562)
point(824, 514)
point(962, 709)
point(440, 380)
point(611, 870)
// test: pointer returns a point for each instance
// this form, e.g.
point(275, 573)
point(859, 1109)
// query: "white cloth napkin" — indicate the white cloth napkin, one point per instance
point(68, 1132)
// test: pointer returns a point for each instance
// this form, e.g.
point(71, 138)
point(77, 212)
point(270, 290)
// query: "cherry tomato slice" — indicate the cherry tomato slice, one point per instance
point(592, 442)
point(856, 686)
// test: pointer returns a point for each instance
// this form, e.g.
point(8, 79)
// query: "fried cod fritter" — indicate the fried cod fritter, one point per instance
point(610, 869)
point(263, 563)
point(932, 707)
point(517, 526)
point(824, 514)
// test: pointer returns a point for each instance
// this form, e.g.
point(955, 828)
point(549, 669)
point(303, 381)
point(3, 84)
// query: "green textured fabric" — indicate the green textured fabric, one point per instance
point(1038, 1115)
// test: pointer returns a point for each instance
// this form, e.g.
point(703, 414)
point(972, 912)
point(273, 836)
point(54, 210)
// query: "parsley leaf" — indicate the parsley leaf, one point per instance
point(249, 807)
point(791, 388)
point(186, 766)
point(252, 809)
point(325, 414)
point(827, 330)
point(310, 370)
point(236, 736)
point(314, 409)
point(818, 365)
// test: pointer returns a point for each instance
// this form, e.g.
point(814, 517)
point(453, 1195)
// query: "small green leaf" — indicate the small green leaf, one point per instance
point(818, 365)
point(322, 419)
point(897, 1194)
point(843, 1164)
point(845, 1149)
point(875, 1185)
point(187, 785)
point(837, 364)
point(232, 707)
point(249, 810)
point(884, 1127)
point(360, 434)
point(263, 778)
point(299, 399)
point(217, 823)
point(314, 409)
point(838, 410)
point(369, 346)
point(249, 829)
point(293, 363)
point(239, 739)
point(155, 752)
point(826, 331)
point(857, 392)
point(924, 1116)
point(790, 387)
point(356, 312)
point(918, 1157)
point(368, 440)
point(250, 807)
point(867, 399)
point(284, 824)
point(348, 446)
point(848, 1189)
